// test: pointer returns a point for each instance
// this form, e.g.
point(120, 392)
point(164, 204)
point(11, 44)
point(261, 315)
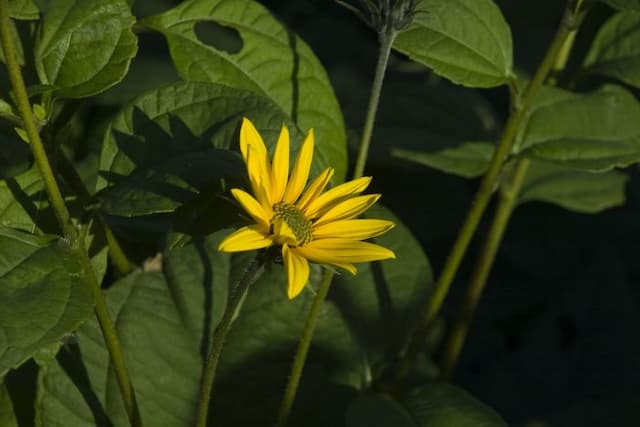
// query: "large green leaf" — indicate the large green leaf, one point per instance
point(84, 46)
point(615, 52)
point(240, 44)
point(444, 405)
point(174, 143)
point(7, 416)
point(43, 295)
point(594, 131)
point(164, 320)
point(382, 301)
point(576, 190)
point(465, 41)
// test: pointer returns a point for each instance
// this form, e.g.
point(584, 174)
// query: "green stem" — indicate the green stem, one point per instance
point(386, 41)
point(508, 199)
point(482, 198)
point(303, 349)
point(73, 179)
point(236, 295)
point(62, 214)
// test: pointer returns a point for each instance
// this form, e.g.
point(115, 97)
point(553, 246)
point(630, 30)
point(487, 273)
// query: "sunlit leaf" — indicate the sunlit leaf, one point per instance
point(239, 43)
point(615, 52)
point(465, 41)
point(84, 46)
point(43, 295)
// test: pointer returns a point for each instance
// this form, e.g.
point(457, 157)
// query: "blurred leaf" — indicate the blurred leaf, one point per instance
point(173, 143)
point(465, 41)
point(23, 9)
point(444, 405)
point(164, 320)
point(377, 411)
point(43, 295)
point(7, 416)
point(383, 300)
point(576, 190)
point(238, 43)
point(18, 44)
point(595, 131)
point(623, 4)
point(615, 52)
point(84, 46)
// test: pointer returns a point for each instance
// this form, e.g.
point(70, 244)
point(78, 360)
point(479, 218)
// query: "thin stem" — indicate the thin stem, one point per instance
point(508, 200)
point(386, 41)
point(303, 349)
point(487, 187)
point(481, 271)
point(236, 295)
point(73, 179)
point(62, 214)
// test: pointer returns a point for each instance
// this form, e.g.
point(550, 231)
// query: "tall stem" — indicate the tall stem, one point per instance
point(481, 271)
point(236, 295)
point(482, 198)
point(62, 214)
point(386, 41)
point(303, 349)
point(508, 200)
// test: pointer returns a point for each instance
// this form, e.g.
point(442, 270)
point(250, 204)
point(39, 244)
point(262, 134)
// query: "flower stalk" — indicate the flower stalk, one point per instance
point(570, 20)
point(237, 293)
point(64, 219)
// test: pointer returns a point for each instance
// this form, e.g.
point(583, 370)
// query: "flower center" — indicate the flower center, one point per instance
point(295, 220)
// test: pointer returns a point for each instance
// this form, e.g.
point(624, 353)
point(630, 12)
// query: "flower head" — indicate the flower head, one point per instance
point(308, 224)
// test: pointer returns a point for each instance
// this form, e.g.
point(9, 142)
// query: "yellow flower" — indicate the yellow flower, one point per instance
point(311, 225)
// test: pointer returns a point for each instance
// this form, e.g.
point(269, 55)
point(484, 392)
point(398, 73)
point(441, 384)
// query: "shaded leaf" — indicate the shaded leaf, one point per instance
point(615, 52)
point(84, 46)
point(465, 41)
point(595, 131)
point(469, 159)
point(576, 190)
point(623, 4)
point(444, 405)
point(7, 416)
point(174, 143)
point(18, 44)
point(23, 9)
point(377, 411)
point(239, 44)
point(43, 295)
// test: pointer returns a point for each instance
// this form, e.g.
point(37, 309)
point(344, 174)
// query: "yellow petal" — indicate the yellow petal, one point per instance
point(348, 209)
point(255, 156)
point(335, 195)
point(252, 207)
point(300, 172)
point(283, 234)
point(315, 188)
point(341, 251)
point(280, 167)
point(346, 266)
point(356, 229)
point(297, 271)
point(245, 239)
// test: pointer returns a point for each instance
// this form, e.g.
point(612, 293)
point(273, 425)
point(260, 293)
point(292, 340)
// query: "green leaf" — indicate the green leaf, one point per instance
point(469, 159)
point(84, 46)
point(164, 320)
point(615, 52)
point(174, 143)
point(239, 44)
point(465, 41)
point(576, 190)
point(623, 4)
point(43, 295)
point(595, 131)
point(383, 300)
point(7, 416)
point(444, 405)
point(23, 9)
point(18, 43)
point(377, 411)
